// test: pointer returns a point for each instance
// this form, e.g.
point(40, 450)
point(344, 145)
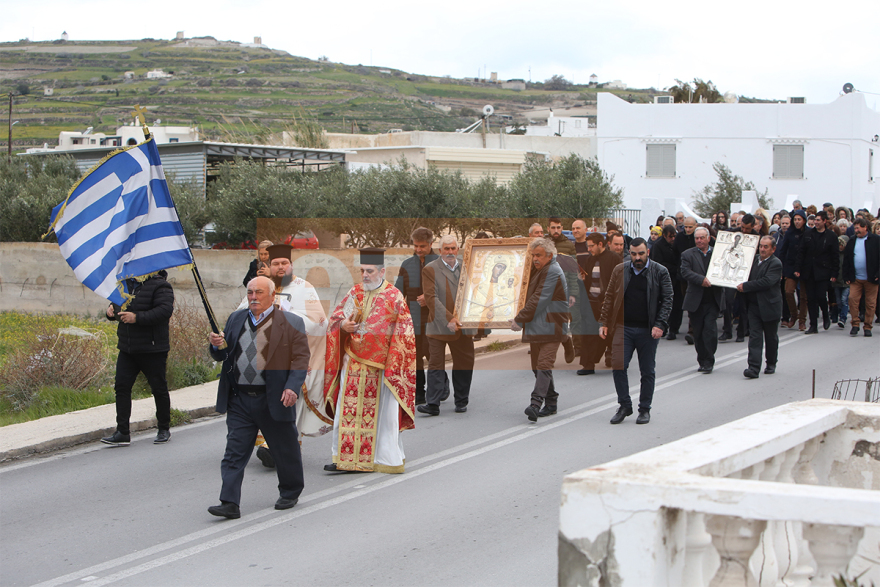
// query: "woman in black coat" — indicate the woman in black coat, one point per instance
point(788, 254)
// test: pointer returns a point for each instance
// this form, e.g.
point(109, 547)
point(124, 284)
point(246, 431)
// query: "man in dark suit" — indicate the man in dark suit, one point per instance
point(409, 282)
point(440, 278)
point(265, 354)
point(702, 300)
point(763, 306)
point(818, 264)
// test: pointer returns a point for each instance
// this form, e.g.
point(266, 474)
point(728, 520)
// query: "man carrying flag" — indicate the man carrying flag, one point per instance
point(118, 230)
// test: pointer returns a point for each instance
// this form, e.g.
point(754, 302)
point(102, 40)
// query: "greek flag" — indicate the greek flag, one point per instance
point(119, 222)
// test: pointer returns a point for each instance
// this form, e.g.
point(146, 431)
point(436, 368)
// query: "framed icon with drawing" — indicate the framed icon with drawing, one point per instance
point(494, 280)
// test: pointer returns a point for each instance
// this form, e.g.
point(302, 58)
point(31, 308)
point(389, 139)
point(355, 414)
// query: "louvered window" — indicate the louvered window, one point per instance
point(661, 161)
point(788, 161)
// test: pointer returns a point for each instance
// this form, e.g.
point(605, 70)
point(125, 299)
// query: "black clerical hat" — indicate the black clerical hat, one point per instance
point(279, 251)
point(372, 256)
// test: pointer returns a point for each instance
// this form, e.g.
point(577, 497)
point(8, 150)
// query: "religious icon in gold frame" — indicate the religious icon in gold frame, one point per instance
point(494, 281)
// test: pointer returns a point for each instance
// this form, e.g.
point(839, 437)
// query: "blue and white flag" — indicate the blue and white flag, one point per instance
point(119, 222)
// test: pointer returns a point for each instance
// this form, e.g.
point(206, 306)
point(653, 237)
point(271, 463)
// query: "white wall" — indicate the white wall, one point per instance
point(837, 138)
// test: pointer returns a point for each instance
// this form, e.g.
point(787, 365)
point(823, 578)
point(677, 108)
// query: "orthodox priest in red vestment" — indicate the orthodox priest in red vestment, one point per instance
point(370, 373)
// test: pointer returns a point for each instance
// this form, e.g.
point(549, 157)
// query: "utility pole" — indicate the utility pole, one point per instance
point(9, 142)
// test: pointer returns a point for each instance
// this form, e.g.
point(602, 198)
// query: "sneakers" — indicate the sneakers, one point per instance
point(854, 331)
point(117, 439)
point(841, 324)
point(162, 436)
point(532, 413)
point(868, 332)
point(622, 412)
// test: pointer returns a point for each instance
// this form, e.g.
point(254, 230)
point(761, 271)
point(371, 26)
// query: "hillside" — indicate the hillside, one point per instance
point(236, 92)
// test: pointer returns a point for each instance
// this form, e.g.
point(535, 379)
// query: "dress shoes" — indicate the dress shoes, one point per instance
point(724, 337)
point(689, 338)
point(586, 371)
point(644, 417)
point(547, 411)
point(802, 326)
point(568, 347)
point(162, 436)
point(532, 413)
point(119, 439)
point(704, 369)
point(428, 409)
point(285, 504)
point(460, 409)
point(769, 369)
point(740, 338)
point(750, 374)
point(826, 323)
point(622, 412)
point(226, 509)
point(671, 336)
point(854, 331)
point(812, 330)
point(265, 457)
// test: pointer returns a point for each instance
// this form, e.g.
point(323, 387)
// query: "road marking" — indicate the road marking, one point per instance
point(519, 432)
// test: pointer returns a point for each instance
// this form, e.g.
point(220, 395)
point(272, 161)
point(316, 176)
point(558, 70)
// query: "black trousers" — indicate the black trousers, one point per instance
point(817, 299)
point(593, 346)
point(761, 333)
point(462, 350)
point(677, 313)
point(246, 416)
point(152, 365)
point(423, 353)
point(705, 324)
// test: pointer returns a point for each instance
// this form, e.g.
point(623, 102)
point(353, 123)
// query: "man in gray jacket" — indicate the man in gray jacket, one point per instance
point(440, 281)
point(542, 320)
point(635, 314)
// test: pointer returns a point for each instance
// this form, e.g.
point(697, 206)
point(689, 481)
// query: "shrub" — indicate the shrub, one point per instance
point(188, 360)
point(29, 189)
point(53, 359)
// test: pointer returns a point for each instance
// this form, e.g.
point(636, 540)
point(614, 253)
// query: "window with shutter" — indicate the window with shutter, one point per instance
point(660, 161)
point(788, 161)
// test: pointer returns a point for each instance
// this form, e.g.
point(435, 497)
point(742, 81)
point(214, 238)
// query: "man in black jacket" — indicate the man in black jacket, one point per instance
point(596, 275)
point(634, 315)
point(665, 254)
point(861, 270)
point(143, 348)
point(764, 307)
point(817, 264)
point(409, 282)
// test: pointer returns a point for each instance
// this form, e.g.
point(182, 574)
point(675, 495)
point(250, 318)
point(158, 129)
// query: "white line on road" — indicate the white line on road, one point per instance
point(519, 434)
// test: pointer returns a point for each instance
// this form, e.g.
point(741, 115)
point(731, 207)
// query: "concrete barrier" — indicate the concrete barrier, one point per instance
point(35, 278)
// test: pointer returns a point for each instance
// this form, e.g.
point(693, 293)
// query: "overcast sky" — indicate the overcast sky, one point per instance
point(760, 48)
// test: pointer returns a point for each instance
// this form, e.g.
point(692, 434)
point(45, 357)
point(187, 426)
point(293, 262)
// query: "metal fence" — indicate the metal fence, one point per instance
point(629, 220)
point(858, 390)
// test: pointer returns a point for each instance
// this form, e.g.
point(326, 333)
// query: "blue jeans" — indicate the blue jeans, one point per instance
point(842, 295)
point(626, 340)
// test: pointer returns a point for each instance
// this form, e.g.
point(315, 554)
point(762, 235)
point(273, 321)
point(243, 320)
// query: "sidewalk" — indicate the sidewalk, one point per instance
point(66, 430)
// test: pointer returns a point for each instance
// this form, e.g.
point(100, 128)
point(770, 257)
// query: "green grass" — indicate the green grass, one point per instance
point(52, 401)
point(17, 327)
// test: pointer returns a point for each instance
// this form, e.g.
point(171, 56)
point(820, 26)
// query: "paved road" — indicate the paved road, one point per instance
point(478, 504)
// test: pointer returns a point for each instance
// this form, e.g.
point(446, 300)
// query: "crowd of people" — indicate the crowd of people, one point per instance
point(289, 370)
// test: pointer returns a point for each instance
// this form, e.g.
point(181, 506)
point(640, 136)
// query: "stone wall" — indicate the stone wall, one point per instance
point(34, 277)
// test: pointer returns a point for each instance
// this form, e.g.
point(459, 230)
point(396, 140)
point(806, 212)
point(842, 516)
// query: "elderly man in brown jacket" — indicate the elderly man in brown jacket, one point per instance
point(542, 321)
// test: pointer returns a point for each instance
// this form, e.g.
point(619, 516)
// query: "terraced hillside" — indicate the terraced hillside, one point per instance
point(233, 92)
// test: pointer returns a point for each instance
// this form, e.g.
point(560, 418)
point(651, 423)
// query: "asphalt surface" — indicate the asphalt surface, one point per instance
point(478, 504)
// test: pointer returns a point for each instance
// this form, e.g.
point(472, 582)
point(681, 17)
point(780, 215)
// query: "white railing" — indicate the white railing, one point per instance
point(786, 497)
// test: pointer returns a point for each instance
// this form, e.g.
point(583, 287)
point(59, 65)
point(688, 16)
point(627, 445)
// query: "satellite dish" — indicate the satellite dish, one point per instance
point(848, 88)
point(488, 110)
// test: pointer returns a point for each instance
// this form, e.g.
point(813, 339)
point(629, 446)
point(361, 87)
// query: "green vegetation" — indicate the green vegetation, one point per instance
point(44, 372)
point(221, 87)
point(728, 189)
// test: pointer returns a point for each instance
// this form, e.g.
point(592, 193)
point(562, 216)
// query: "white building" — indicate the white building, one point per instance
point(563, 126)
point(157, 74)
point(615, 85)
point(125, 136)
point(814, 152)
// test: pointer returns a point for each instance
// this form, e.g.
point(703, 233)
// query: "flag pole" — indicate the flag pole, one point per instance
point(212, 319)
